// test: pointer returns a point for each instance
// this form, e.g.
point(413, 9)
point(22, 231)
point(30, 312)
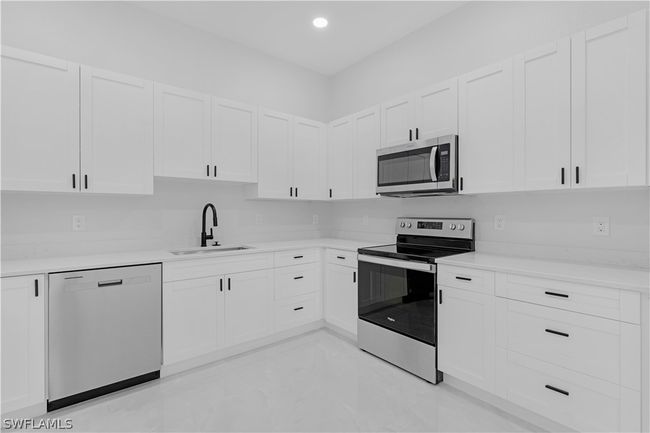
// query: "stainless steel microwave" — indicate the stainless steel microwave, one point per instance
point(427, 167)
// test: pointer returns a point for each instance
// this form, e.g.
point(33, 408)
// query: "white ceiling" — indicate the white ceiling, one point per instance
point(283, 29)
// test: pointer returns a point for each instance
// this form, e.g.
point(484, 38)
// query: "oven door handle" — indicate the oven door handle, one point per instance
point(402, 264)
point(432, 164)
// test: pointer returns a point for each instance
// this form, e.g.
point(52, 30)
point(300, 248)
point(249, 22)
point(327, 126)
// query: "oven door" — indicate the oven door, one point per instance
point(399, 295)
point(407, 168)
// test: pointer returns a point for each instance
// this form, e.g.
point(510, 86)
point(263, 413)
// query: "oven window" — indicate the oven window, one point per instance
point(404, 168)
point(402, 300)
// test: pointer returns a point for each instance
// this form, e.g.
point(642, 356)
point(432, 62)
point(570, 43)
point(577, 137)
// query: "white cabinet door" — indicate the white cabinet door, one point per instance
point(309, 171)
point(397, 121)
point(182, 145)
point(341, 297)
point(116, 133)
point(234, 137)
point(340, 159)
point(466, 336)
point(191, 309)
point(248, 303)
point(40, 122)
point(436, 110)
point(486, 145)
point(275, 174)
point(542, 80)
point(23, 342)
point(366, 143)
point(609, 103)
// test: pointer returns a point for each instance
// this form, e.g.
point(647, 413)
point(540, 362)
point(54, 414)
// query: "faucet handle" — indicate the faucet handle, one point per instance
point(211, 235)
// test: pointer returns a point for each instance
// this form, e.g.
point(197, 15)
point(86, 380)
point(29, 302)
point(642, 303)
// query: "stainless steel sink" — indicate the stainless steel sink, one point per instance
point(209, 250)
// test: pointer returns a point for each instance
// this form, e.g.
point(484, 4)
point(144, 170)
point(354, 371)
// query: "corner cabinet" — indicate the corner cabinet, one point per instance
point(340, 159)
point(23, 342)
point(291, 157)
point(609, 97)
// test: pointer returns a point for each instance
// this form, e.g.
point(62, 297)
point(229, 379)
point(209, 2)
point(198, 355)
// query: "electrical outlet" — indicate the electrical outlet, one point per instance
point(314, 219)
point(78, 223)
point(499, 222)
point(601, 226)
point(258, 219)
point(364, 221)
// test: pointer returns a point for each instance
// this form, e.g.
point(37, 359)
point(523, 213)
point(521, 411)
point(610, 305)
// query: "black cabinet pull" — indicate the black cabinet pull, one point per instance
point(221, 284)
point(551, 331)
point(298, 308)
point(299, 277)
point(340, 257)
point(85, 181)
point(354, 276)
point(464, 278)
point(417, 133)
point(291, 191)
point(215, 171)
point(577, 174)
point(36, 288)
point(296, 191)
point(74, 181)
point(207, 170)
point(410, 135)
point(440, 297)
point(552, 388)
point(330, 192)
point(559, 295)
point(461, 183)
point(562, 175)
point(109, 283)
point(298, 257)
point(228, 284)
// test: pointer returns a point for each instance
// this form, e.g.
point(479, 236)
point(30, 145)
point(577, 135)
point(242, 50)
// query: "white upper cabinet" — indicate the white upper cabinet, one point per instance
point(486, 147)
point(40, 122)
point(182, 133)
point(116, 133)
point(542, 125)
point(309, 159)
point(234, 138)
point(397, 121)
point(609, 103)
point(436, 110)
point(366, 143)
point(275, 175)
point(340, 159)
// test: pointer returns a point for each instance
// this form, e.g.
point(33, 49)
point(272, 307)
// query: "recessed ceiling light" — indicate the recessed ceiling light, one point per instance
point(320, 22)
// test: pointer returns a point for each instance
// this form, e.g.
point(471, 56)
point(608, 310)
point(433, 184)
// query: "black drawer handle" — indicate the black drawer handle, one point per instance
point(74, 181)
point(559, 295)
point(298, 308)
point(298, 278)
point(36, 288)
point(207, 170)
point(298, 257)
point(354, 276)
point(109, 283)
point(561, 391)
point(85, 181)
point(464, 278)
point(563, 334)
point(340, 257)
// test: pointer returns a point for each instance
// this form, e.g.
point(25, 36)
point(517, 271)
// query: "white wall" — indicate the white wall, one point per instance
point(470, 37)
point(124, 38)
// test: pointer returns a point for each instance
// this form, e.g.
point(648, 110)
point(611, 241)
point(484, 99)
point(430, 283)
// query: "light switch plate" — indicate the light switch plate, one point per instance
point(499, 222)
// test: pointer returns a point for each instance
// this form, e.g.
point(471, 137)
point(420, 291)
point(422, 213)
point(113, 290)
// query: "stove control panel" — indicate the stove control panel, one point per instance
point(440, 227)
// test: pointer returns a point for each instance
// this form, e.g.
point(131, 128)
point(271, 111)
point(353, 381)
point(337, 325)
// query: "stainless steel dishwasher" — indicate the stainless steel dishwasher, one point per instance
point(104, 331)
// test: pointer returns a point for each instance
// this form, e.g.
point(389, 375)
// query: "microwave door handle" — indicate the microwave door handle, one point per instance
point(432, 164)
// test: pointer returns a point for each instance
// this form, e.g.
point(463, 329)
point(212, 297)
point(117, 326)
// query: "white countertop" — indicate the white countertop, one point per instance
point(72, 263)
point(635, 279)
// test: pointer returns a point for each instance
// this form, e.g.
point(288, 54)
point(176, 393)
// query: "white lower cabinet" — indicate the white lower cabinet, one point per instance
point(341, 296)
point(23, 342)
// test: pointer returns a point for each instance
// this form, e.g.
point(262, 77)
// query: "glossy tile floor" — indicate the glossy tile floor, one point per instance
point(315, 382)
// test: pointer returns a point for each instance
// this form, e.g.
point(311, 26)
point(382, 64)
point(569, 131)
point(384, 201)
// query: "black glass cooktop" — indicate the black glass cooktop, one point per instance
point(427, 254)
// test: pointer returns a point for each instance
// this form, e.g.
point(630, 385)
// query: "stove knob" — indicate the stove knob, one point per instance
point(402, 224)
point(408, 226)
point(461, 227)
point(452, 226)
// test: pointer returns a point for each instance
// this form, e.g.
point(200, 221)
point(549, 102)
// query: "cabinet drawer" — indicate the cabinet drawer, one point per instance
point(297, 257)
point(342, 257)
point(475, 280)
point(575, 400)
point(297, 280)
point(208, 267)
point(590, 345)
point(597, 301)
point(297, 311)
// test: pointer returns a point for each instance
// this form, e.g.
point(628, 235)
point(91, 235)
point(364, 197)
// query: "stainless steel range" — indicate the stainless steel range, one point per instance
point(398, 291)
